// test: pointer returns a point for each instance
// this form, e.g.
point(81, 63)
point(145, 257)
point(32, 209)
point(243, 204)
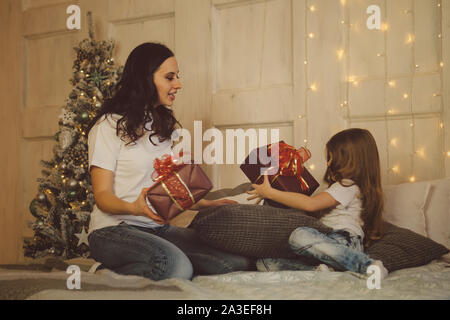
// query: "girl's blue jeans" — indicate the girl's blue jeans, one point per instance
point(339, 249)
point(160, 253)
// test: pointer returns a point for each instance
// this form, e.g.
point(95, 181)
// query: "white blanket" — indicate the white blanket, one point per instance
point(431, 281)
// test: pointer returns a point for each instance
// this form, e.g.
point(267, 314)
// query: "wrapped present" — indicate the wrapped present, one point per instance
point(289, 173)
point(177, 187)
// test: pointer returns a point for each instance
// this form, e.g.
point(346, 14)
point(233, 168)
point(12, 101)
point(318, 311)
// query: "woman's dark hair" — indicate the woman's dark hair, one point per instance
point(136, 97)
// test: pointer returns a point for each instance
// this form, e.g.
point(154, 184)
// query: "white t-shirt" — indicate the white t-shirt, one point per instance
point(132, 166)
point(347, 214)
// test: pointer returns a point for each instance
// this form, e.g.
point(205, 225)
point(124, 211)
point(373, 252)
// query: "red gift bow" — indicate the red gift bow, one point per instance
point(290, 161)
point(166, 173)
point(165, 166)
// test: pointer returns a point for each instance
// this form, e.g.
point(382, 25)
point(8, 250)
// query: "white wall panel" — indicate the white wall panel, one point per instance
point(48, 69)
point(129, 34)
point(399, 38)
point(365, 44)
point(426, 30)
point(253, 45)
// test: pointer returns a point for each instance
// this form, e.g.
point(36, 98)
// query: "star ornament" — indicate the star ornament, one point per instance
point(82, 237)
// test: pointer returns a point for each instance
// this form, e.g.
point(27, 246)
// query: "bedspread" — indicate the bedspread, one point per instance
point(431, 281)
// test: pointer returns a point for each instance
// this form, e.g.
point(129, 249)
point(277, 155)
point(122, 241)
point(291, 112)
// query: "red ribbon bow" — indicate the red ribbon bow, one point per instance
point(166, 166)
point(291, 161)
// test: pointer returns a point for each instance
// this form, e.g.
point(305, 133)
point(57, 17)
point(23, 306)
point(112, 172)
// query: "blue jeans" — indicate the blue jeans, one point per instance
point(160, 253)
point(339, 249)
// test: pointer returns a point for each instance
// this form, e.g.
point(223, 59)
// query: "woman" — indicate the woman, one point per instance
point(130, 130)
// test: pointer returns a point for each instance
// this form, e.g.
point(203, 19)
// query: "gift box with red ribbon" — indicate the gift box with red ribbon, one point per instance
point(177, 187)
point(289, 174)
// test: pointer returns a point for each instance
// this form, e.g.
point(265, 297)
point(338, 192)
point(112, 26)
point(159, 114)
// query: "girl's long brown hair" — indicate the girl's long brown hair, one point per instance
point(354, 155)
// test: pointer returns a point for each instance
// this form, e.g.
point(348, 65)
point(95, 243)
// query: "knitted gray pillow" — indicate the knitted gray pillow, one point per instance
point(402, 248)
point(252, 230)
point(263, 231)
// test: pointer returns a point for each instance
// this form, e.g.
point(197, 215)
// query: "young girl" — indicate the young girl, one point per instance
point(353, 203)
point(129, 131)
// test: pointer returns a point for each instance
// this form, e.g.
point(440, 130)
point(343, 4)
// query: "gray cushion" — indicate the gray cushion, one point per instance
point(402, 248)
point(252, 230)
point(263, 231)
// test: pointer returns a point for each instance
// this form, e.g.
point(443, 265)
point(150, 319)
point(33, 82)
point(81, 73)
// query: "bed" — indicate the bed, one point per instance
point(422, 207)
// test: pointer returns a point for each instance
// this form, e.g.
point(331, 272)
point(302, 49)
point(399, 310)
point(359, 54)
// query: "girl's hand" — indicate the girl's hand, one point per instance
point(140, 207)
point(261, 191)
point(212, 203)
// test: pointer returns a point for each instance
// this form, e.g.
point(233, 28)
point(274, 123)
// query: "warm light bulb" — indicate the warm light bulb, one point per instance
point(441, 125)
point(305, 140)
point(410, 38)
point(340, 54)
point(311, 35)
point(312, 166)
point(405, 96)
point(305, 62)
point(448, 153)
point(395, 169)
point(394, 142)
point(312, 8)
point(412, 179)
point(313, 87)
point(343, 2)
point(442, 64)
point(300, 116)
point(392, 83)
point(384, 26)
point(421, 152)
point(391, 111)
point(355, 83)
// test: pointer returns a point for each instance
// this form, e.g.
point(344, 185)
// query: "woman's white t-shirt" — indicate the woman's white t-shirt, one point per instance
point(132, 166)
point(347, 214)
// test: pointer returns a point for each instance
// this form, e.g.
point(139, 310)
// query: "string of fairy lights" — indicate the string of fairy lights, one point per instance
point(390, 83)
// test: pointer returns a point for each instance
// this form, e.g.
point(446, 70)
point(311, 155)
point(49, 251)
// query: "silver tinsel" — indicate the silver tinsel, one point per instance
point(66, 138)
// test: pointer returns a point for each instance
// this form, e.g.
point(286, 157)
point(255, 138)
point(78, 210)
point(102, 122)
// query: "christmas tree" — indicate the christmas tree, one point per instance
point(64, 200)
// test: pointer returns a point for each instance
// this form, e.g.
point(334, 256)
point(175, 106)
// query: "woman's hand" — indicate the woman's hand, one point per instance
point(140, 207)
point(261, 191)
point(203, 203)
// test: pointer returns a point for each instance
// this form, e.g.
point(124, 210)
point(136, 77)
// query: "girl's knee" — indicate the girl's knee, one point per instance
point(302, 236)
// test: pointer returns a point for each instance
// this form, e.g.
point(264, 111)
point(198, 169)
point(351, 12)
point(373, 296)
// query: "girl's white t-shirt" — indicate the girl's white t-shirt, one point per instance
point(347, 214)
point(132, 166)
